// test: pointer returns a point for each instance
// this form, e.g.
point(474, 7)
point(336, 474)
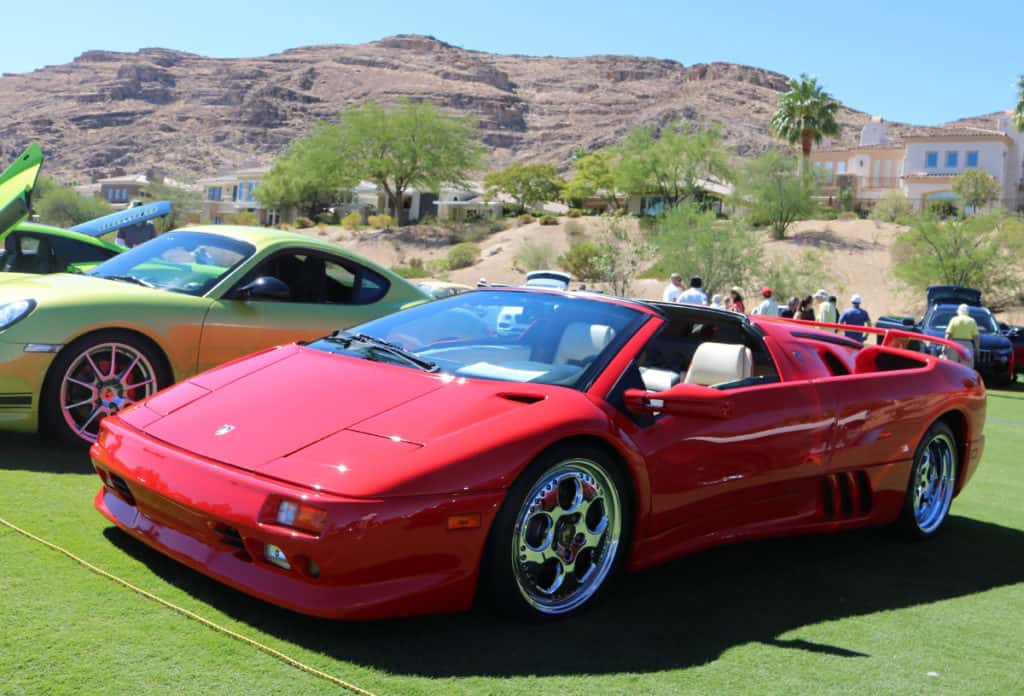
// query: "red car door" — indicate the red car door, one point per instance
point(760, 465)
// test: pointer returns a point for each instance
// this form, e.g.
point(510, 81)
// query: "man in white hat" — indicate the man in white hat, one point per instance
point(964, 330)
point(827, 311)
point(855, 316)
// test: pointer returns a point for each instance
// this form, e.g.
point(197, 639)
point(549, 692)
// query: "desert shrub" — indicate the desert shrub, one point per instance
point(787, 276)
point(533, 256)
point(893, 207)
point(525, 219)
point(463, 255)
point(584, 261)
point(549, 220)
point(351, 221)
point(428, 219)
point(691, 241)
point(575, 213)
point(538, 213)
point(246, 218)
point(303, 222)
point(411, 271)
point(325, 218)
point(380, 221)
point(575, 231)
point(826, 213)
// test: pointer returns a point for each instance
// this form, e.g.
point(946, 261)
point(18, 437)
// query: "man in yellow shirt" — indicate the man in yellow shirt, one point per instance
point(964, 330)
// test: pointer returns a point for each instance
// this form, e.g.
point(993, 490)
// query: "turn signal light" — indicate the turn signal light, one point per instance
point(301, 516)
point(469, 521)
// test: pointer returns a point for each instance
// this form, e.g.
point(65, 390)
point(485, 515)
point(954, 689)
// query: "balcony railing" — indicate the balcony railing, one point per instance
point(860, 183)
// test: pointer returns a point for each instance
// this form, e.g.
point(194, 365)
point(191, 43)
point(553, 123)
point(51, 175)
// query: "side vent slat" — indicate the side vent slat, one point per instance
point(846, 495)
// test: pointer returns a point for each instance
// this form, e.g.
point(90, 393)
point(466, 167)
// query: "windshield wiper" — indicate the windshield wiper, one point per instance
point(347, 338)
point(130, 279)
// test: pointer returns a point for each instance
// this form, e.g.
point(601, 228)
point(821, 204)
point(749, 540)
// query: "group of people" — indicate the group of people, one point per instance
point(822, 306)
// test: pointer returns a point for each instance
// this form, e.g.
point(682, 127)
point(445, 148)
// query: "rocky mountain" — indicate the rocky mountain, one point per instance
point(165, 111)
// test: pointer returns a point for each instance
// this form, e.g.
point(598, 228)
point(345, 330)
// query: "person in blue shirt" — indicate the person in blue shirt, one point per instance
point(855, 316)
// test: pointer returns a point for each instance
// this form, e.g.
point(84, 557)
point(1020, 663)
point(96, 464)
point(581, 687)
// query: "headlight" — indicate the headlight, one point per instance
point(13, 312)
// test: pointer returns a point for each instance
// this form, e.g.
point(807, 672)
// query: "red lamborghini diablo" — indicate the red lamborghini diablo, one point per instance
point(528, 447)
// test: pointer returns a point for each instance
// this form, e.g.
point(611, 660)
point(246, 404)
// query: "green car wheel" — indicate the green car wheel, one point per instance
point(96, 376)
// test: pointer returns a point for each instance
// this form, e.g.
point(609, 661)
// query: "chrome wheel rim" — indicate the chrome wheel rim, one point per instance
point(567, 536)
point(103, 380)
point(934, 479)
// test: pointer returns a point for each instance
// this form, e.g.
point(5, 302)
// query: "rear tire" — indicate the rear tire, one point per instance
point(932, 483)
point(96, 376)
point(561, 536)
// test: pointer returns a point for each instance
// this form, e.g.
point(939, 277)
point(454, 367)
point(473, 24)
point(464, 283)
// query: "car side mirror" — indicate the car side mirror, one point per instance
point(681, 400)
point(265, 288)
point(1004, 328)
point(908, 322)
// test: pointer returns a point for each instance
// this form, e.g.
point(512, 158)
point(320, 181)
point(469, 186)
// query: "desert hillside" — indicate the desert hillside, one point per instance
point(162, 111)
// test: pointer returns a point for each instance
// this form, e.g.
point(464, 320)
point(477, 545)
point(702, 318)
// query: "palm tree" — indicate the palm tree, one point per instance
point(806, 114)
point(1018, 113)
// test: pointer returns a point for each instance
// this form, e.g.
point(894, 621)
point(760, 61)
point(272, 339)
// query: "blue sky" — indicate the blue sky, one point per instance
point(920, 62)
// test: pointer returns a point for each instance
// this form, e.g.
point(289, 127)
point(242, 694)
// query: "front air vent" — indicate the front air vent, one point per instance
point(121, 488)
point(229, 536)
point(846, 495)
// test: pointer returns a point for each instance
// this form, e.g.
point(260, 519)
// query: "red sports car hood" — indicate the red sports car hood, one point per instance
point(259, 409)
point(344, 425)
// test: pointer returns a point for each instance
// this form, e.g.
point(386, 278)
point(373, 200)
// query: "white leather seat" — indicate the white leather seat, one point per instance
point(657, 380)
point(582, 341)
point(718, 363)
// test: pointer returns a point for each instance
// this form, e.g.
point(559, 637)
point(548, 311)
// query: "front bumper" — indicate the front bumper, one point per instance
point(21, 381)
point(375, 559)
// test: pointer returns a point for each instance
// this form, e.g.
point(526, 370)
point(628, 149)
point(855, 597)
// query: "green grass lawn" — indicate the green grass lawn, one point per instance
point(859, 613)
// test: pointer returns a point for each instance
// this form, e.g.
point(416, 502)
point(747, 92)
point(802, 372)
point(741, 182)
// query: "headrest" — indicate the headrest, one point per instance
point(582, 340)
point(718, 363)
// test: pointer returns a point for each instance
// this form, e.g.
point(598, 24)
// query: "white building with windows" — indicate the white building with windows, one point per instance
point(227, 195)
point(923, 166)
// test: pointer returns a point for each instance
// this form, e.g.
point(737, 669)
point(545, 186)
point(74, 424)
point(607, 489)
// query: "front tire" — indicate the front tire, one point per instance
point(561, 535)
point(96, 376)
point(932, 482)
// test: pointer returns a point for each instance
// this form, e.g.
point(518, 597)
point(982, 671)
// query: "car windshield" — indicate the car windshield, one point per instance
point(512, 336)
point(982, 317)
point(180, 261)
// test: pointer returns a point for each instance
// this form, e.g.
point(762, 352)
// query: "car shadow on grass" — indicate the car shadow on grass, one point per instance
point(684, 614)
point(42, 454)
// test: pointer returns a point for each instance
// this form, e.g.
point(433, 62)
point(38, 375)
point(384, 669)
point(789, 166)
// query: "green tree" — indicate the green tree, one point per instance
point(64, 207)
point(1018, 112)
point(979, 252)
point(693, 242)
point(621, 257)
point(594, 176)
point(805, 114)
point(775, 193)
point(410, 145)
point(309, 176)
point(526, 184)
point(672, 164)
point(976, 188)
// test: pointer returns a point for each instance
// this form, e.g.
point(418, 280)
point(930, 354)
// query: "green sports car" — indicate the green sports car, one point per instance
point(77, 347)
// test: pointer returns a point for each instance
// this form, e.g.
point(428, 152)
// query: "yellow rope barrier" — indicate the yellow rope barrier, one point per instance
point(192, 615)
